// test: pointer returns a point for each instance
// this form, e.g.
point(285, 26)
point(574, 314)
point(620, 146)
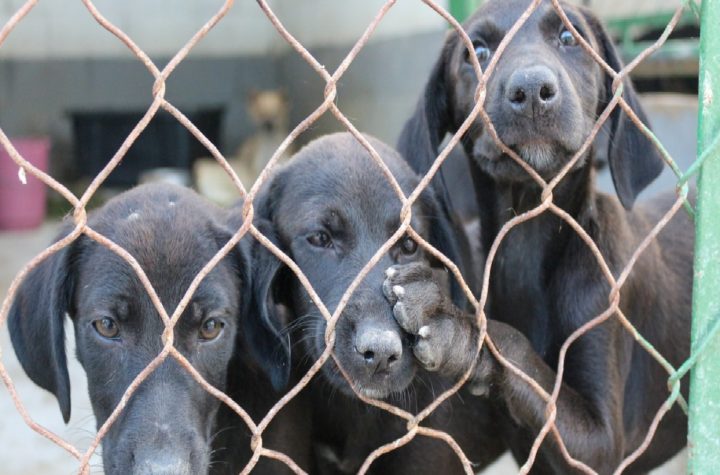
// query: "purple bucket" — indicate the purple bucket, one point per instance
point(23, 206)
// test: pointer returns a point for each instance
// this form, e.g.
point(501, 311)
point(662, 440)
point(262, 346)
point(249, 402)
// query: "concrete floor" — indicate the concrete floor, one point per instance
point(24, 452)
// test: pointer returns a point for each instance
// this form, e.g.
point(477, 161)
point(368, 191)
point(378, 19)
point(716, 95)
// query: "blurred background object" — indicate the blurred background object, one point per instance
point(22, 196)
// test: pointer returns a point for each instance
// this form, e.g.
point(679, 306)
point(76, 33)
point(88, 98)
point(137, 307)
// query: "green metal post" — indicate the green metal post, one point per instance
point(461, 9)
point(704, 429)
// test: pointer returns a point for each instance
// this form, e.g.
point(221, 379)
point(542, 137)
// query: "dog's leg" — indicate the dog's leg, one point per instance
point(447, 341)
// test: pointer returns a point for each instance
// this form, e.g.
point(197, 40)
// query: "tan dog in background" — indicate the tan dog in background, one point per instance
point(269, 111)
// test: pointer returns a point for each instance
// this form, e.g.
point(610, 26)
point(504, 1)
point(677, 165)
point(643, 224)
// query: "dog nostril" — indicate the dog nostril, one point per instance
point(518, 97)
point(547, 93)
point(369, 356)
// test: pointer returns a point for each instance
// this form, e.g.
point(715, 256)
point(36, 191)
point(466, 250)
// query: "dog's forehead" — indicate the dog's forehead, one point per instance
point(339, 165)
point(337, 175)
point(169, 237)
point(351, 195)
point(107, 282)
point(503, 14)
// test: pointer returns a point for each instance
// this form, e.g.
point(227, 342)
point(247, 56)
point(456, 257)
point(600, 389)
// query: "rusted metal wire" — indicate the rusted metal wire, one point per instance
point(414, 421)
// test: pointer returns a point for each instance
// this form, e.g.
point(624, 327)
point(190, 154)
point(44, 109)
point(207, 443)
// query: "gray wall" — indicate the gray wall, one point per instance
point(44, 77)
point(60, 60)
point(37, 96)
point(378, 92)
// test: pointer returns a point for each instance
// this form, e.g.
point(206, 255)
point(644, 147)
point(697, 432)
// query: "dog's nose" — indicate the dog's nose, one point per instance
point(533, 91)
point(378, 349)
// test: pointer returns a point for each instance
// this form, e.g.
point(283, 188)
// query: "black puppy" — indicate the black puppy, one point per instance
point(330, 209)
point(543, 98)
point(169, 423)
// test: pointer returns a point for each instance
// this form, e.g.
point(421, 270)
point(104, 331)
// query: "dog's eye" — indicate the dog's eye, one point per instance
point(567, 38)
point(106, 327)
point(210, 329)
point(408, 246)
point(482, 52)
point(320, 239)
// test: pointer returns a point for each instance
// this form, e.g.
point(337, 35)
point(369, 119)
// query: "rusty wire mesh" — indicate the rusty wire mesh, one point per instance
point(414, 421)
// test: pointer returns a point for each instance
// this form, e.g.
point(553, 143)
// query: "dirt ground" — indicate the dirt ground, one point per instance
point(24, 452)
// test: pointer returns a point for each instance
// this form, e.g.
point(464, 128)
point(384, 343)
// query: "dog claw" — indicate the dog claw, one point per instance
point(400, 315)
point(390, 272)
point(424, 331)
point(399, 291)
point(387, 291)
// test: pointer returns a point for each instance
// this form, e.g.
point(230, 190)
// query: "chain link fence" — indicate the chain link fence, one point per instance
point(415, 427)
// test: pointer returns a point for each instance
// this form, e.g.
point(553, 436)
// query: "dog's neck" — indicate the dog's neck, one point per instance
point(503, 201)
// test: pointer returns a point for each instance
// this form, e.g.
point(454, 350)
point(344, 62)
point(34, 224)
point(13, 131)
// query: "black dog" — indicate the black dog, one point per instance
point(543, 98)
point(330, 209)
point(169, 423)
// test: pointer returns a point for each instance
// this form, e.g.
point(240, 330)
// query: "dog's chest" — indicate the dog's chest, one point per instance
point(519, 284)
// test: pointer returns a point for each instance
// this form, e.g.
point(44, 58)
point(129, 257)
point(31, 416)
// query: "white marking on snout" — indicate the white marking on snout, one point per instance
point(171, 203)
point(372, 393)
point(133, 216)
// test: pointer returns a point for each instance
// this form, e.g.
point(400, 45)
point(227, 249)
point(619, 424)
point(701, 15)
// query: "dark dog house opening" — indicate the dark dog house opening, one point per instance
point(165, 142)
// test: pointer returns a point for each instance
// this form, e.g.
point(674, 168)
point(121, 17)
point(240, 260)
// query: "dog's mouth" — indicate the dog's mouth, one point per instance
point(546, 155)
point(384, 384)
point(378, 386)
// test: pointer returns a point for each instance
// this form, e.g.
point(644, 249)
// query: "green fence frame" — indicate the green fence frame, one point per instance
point(461, 9)
point(704, 426)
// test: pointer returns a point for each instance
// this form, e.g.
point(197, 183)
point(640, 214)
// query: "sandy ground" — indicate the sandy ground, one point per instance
point(24, 452)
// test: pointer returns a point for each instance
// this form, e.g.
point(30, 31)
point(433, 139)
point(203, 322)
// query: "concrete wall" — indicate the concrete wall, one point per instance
point(62, 29)
point(37, 96)
point(59, 60)
point(57, 29)
point(378, 92)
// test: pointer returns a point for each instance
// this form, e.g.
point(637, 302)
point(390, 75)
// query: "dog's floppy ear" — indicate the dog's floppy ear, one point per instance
point(238, 257)
point(267, 340)
point(419, 145)
point(634, 161)
point(36, 323)
point(424, 131)
point(263, 327)
point(448, 237)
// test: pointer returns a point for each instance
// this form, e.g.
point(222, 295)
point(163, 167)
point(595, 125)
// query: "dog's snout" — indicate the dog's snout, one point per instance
point(533, 90)
point(162, 448)
point(379, 349)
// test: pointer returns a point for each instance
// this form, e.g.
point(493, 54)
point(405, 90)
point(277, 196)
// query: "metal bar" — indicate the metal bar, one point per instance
point(704, 424)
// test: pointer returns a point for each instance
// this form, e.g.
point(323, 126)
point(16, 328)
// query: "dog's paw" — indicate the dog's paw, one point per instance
point(424, 310)
point(414, 295)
